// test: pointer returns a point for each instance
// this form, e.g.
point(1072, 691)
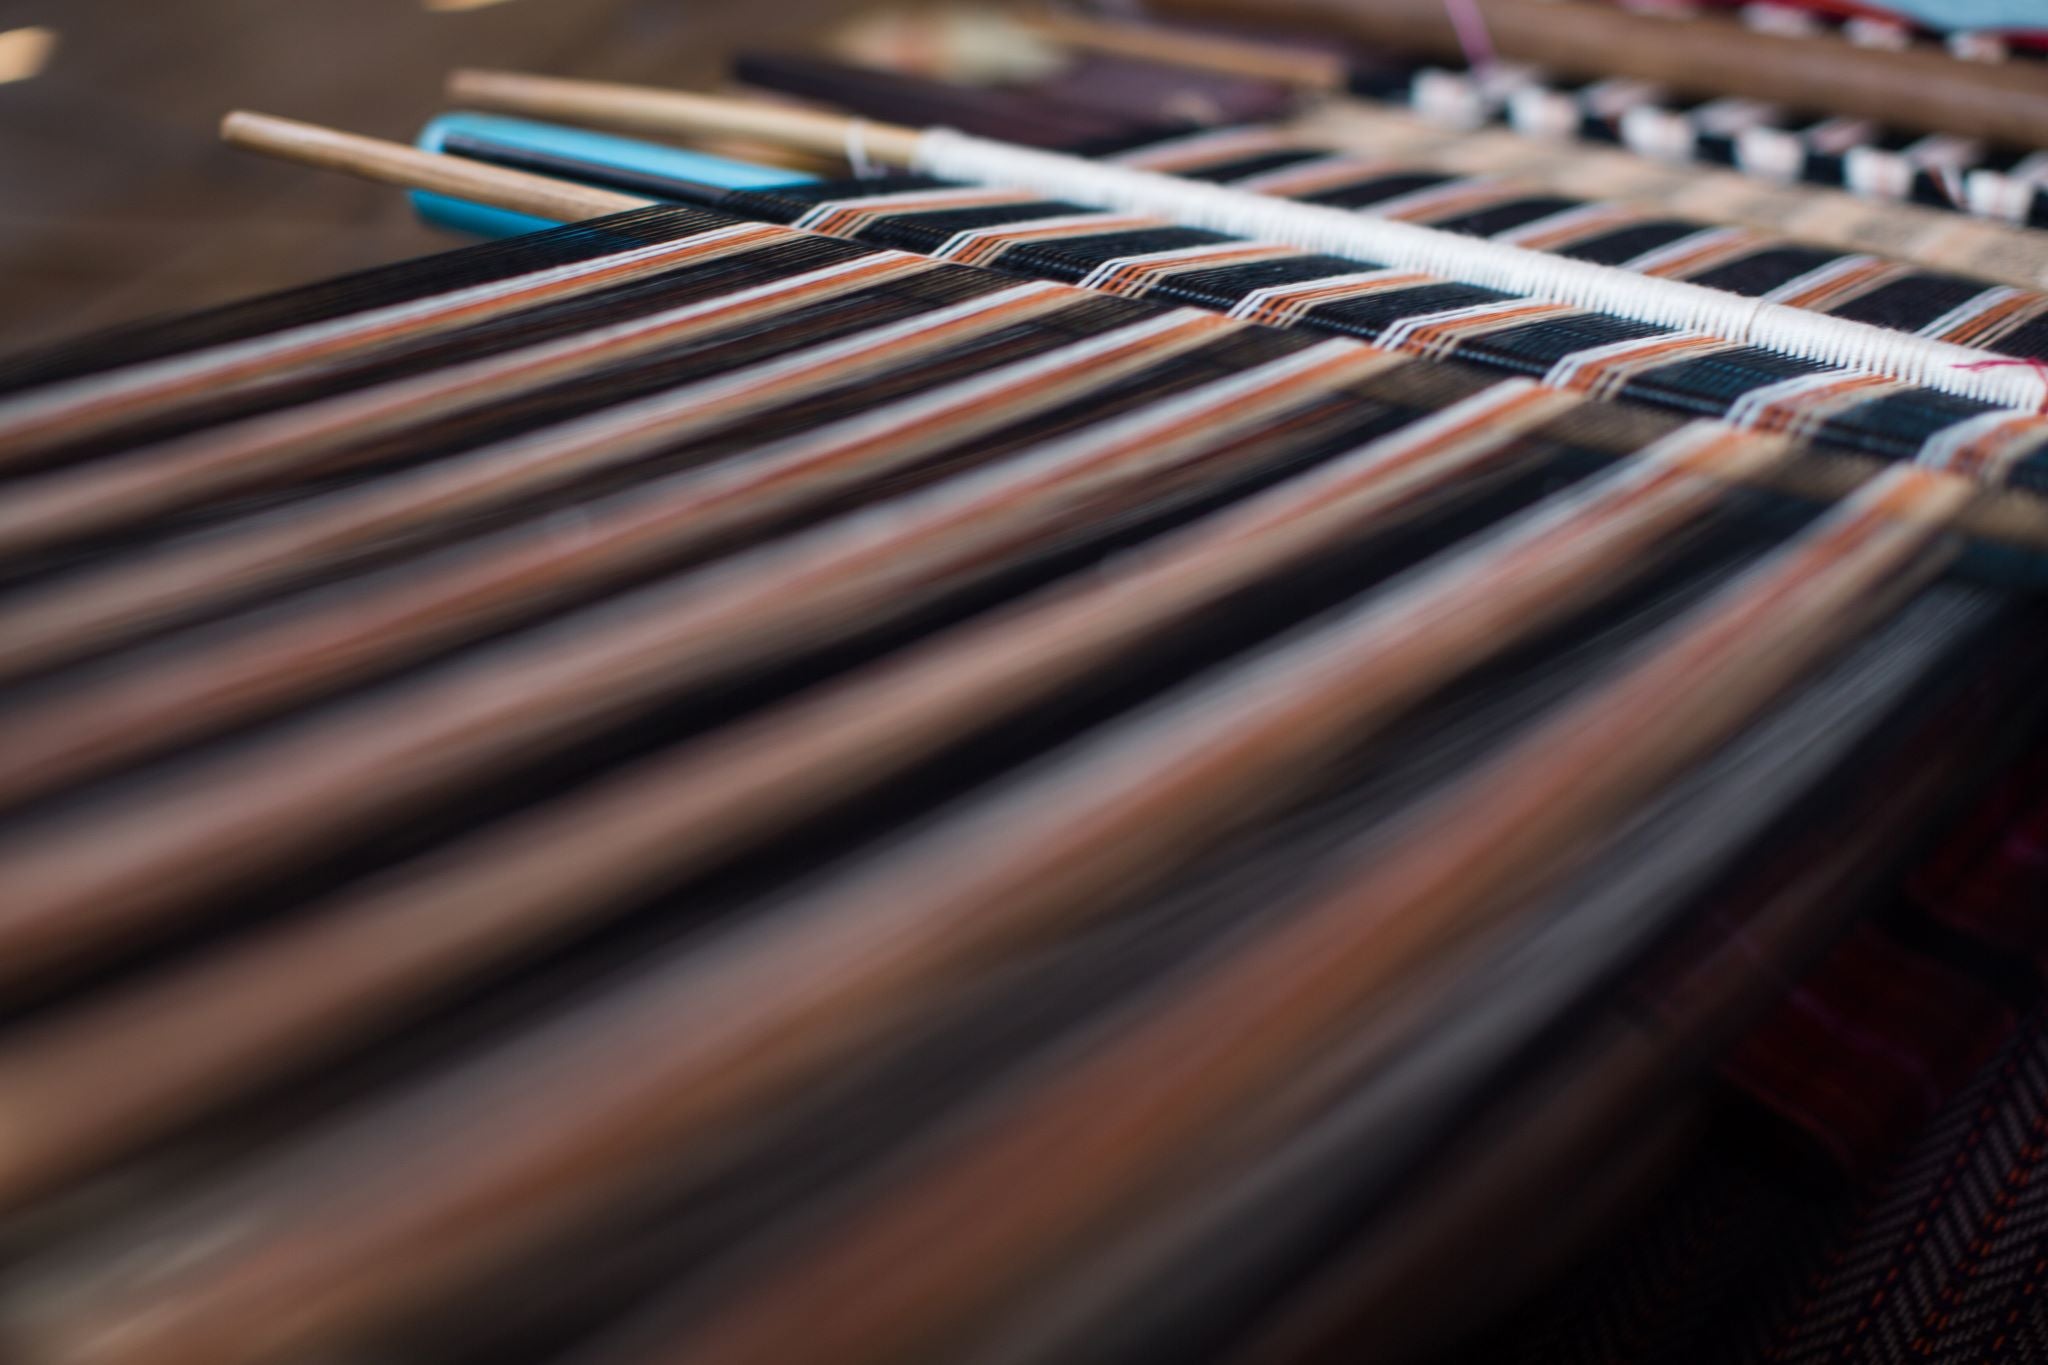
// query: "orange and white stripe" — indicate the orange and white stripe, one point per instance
point(35, 421)
point(1987, 446)
point(1829, 286)
point(985, 245)
point(1699, 252)
point(1988, 318)
point(1602, 371)
point(105, 495)
point(845, 217)
point(1284, 305)
point(1211, 148)
point(696, 507)
point(1580, 224)
point(1334, 172)
point(1420, 457)
point(1799, 405)
point(1436, 202)
point(1438, 334)
point(1131, 276)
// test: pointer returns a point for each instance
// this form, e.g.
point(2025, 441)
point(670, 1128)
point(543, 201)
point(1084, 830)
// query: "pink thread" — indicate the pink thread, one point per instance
point(2034, 363)
point(1470, 26)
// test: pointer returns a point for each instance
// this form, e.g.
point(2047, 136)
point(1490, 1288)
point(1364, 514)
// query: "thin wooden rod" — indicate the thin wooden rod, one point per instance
point(640, 109)
point(269, 449)
point(393, 163)
point(1707, 55)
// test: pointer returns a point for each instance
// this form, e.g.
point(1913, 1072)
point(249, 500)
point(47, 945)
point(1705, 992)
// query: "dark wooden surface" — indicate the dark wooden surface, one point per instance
point(117, 201)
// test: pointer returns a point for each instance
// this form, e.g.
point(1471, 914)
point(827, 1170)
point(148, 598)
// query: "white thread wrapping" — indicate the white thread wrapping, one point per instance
point(1838, 342)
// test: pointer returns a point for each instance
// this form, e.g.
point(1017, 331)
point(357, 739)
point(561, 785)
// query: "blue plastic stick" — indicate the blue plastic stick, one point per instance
point(460, 215)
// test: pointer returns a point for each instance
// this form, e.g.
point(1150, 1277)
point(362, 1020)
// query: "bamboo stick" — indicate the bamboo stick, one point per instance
point(642, 109)
point(396, 164)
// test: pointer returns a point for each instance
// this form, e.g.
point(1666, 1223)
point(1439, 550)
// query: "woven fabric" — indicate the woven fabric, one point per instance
point(1948, 1262)
point(1751, 263)
point(1136, 256)
point(1618, 358)
point(533, 554)
point(1902, 1013)
point(1701, 1275)
point(1869, 1192)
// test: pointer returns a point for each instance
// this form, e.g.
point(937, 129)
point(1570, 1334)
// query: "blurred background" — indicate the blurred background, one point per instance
point(118, 202)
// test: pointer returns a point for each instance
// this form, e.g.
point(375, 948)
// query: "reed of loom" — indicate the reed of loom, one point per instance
point(1467, 260)
point(1705, 55)
point(669, 109)
point(204, 1034)
point(2003, 313)
point(63, 624)
point(1929, 236)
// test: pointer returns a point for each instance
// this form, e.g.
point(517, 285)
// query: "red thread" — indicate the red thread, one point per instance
point(2034, 363)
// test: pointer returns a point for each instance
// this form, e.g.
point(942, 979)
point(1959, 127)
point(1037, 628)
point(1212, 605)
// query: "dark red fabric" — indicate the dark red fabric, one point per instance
point(1866, 1048)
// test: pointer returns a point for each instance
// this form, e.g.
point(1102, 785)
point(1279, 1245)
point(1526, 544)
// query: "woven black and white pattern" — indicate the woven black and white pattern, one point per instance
point(1133, 256)
point(1861, 156)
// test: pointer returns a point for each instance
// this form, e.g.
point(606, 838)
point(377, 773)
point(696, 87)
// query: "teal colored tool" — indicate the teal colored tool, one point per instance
point(630, 156)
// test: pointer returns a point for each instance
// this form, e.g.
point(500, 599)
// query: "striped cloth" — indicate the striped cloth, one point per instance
point(1905, 1010)
point(559, 435)
point(1744, 261)
point(1760, 139)
point(1116, 253)
point(1948, 1261)
point(1139, 257)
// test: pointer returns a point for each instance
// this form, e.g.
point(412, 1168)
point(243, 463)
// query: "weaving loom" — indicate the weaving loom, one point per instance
point(1135, 742)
